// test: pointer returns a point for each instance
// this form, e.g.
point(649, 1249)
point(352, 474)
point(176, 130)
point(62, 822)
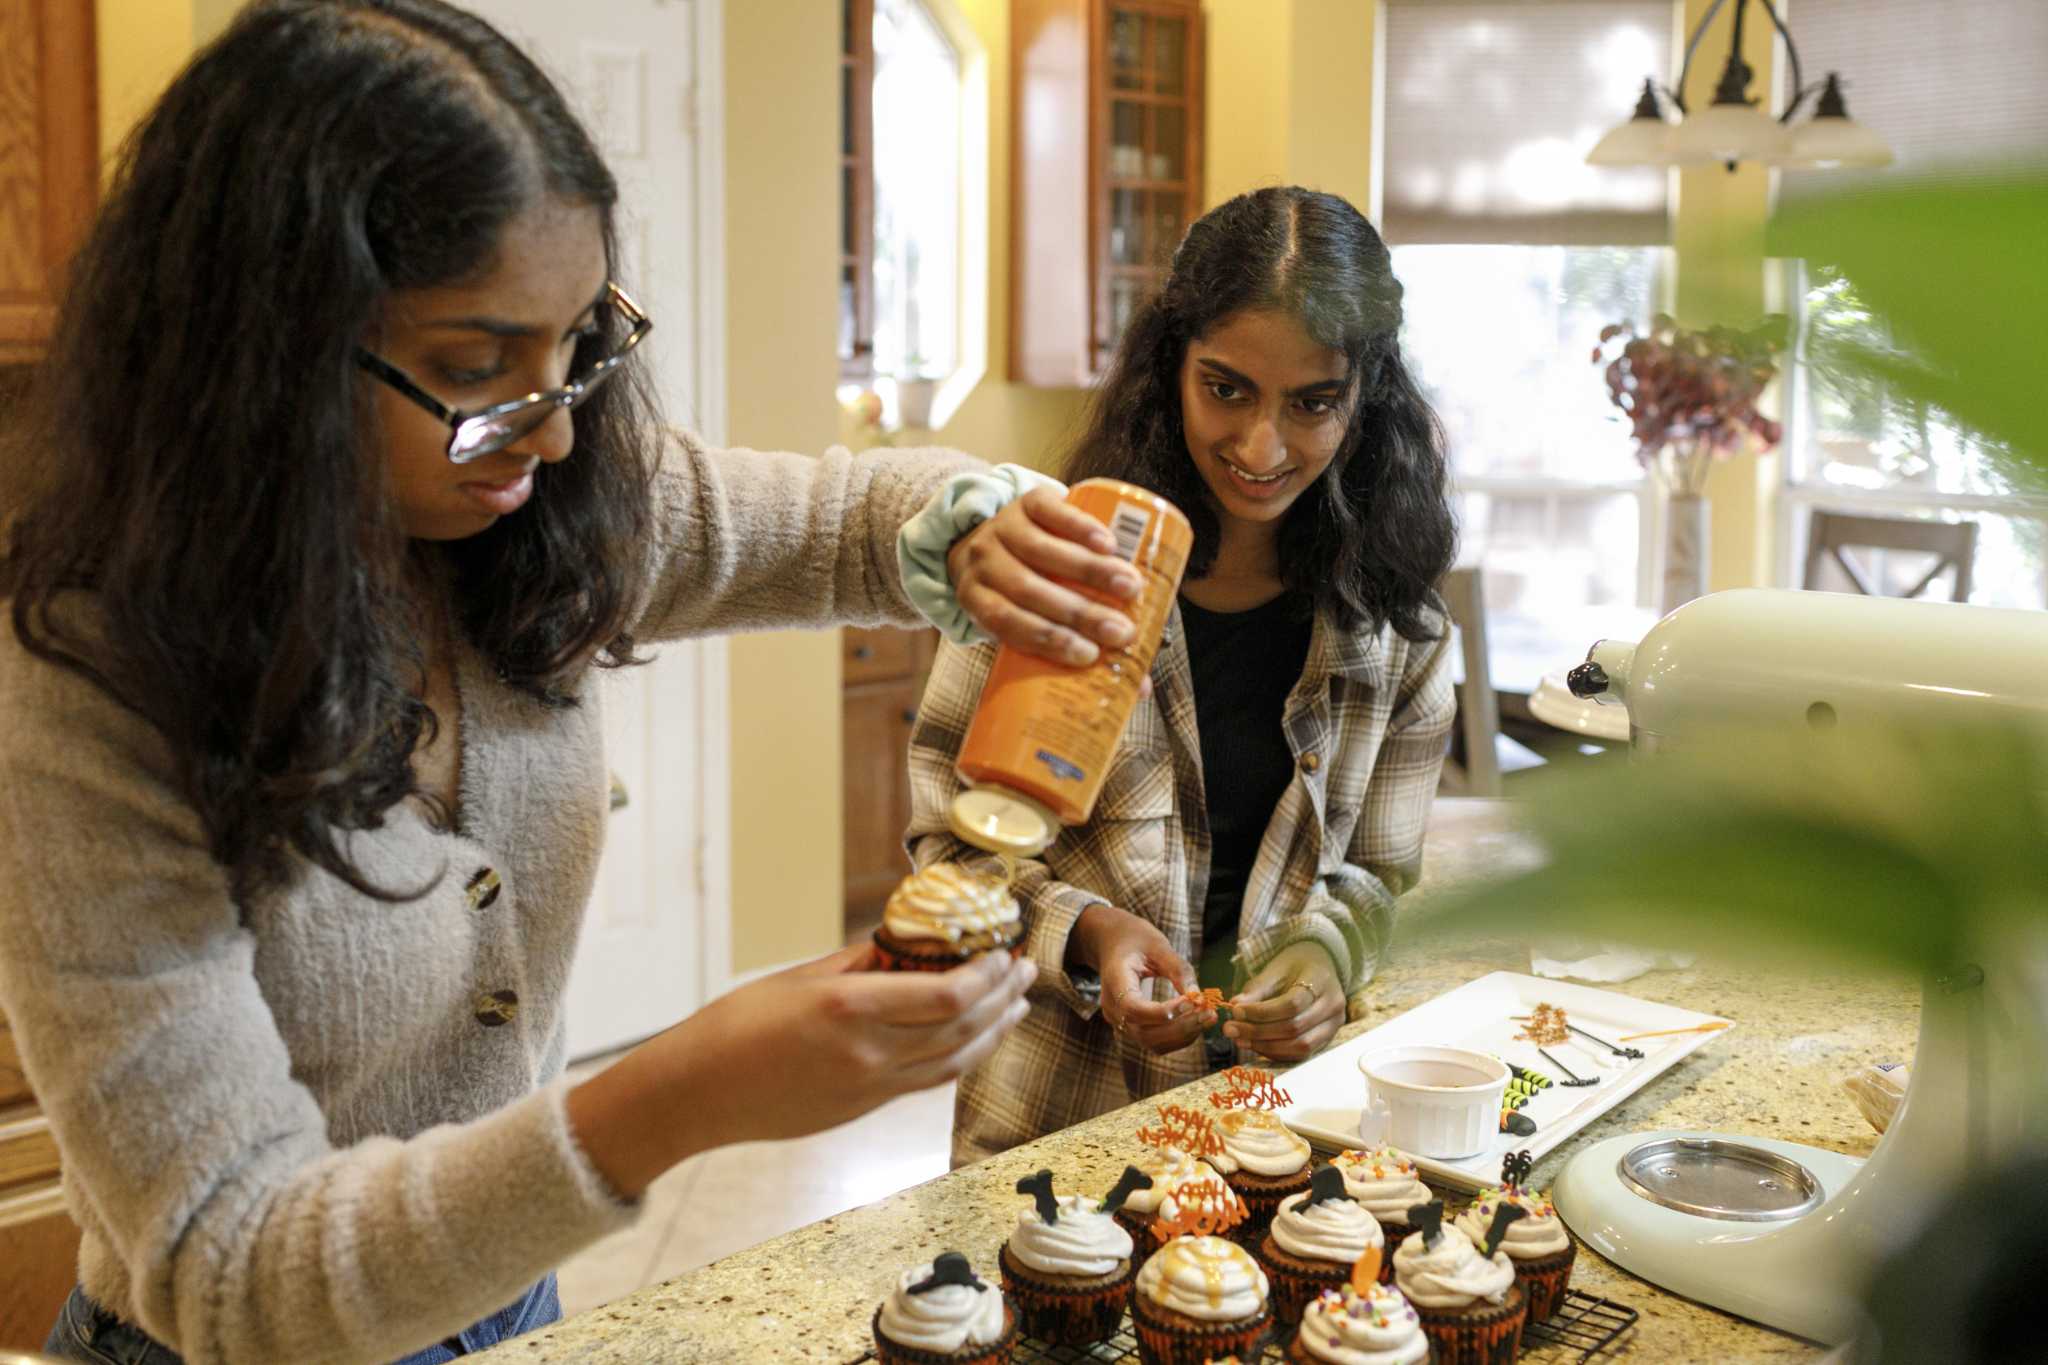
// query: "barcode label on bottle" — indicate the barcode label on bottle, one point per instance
point(1128, 525)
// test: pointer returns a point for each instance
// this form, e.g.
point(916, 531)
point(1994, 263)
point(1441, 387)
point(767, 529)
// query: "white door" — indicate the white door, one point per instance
point(642, 74)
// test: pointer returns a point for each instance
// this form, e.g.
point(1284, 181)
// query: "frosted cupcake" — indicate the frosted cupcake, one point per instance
point(1385, 1181)
point(1199, 1299)
point(942, 1314)
point(1537, 1244)
point(1068, 1265)
point(1466, 1295)
point(1314, 1241)
point(940, 916)
point(1345, 1327)
point(1264, 1162)
point(1169, 1167)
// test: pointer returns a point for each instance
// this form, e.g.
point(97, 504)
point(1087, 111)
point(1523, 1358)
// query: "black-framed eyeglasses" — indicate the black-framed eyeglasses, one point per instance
point(482, 431)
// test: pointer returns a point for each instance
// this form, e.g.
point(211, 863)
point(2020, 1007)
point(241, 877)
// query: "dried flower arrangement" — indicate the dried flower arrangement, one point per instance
point(1691, 394)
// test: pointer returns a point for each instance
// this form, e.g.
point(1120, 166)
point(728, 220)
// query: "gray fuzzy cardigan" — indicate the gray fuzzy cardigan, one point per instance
point(293, 1129)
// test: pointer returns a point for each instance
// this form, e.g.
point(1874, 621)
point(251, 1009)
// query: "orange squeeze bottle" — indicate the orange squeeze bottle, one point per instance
point(1043, 732)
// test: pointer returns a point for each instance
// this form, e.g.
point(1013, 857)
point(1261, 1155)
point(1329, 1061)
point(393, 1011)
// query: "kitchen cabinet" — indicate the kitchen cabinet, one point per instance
point(1106, 172)
point(38, 1240)
point(882, 676)
point(49, 161)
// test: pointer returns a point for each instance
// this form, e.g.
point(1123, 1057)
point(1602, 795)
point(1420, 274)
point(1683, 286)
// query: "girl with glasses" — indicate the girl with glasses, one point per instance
point(339, 487)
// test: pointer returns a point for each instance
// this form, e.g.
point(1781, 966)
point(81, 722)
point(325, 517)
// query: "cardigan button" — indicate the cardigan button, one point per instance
point(1311, 761)
point(497, 1007)
point(482, 888)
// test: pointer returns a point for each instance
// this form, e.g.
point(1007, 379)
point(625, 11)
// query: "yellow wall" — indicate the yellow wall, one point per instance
point(782, 228)
point(1290, 95)
point(140, 44)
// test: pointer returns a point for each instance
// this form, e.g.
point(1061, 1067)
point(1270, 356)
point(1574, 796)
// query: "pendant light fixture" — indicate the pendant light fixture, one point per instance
point(1735, 128)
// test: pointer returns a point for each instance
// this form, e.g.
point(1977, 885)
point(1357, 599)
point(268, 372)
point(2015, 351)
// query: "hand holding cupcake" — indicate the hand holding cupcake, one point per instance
point(940, 916)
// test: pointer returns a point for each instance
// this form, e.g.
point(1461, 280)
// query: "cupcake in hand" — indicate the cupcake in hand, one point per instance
point(1313, 1243)
point(941, 916)
point(1199, 1299)
point(943, 1314)
point(1349, 1327)
point(1068, 1266)
point(1471, 1308)
point(1537, 1244)
point(1385, 1181)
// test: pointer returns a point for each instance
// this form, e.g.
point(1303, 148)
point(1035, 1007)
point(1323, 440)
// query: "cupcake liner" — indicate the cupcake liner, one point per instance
point(1545, 1278)
point(1176, 1339)
point(1479, 1334)
point(1295, 1281)
point(889, 1352)
point(1396, 1233)
point(1068, 1315)
point(892, 955)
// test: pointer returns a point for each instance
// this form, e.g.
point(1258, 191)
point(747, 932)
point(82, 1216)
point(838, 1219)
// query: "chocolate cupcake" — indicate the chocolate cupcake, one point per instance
point(943, 1314)
point(1537, 1244)
point(1169, 1167)
point(1384, 1179)
point(1068, 1266)
point(1345, 1327)
point(1313, 1243)
point(1264, 1161)
point(1470, 1306)
point(1199, 1299)
point(943, 915)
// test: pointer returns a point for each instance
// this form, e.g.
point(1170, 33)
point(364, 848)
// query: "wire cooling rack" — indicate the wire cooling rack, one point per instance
point(1582, 1327)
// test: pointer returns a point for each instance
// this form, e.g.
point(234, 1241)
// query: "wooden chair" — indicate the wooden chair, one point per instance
point(1831, 535)
point(1480, 753)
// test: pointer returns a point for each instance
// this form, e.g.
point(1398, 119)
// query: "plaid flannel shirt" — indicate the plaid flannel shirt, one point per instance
point(1366, 723)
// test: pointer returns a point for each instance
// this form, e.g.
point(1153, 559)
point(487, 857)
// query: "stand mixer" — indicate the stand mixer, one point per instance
point(1775, 1231)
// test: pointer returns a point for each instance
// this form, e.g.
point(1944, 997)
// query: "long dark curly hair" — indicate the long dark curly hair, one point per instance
point(206, 468)
point(1369, 542)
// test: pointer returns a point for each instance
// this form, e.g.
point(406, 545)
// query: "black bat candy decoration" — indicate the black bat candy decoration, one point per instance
point(1502, 1217)
point(1127, 1184)
point(1429, 1220)
point(1039, 1187)
point(948, 1267)
point(1327, 1183)
point(1514, 1169)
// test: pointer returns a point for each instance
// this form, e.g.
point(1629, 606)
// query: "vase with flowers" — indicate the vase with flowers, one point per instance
point(1690, 396)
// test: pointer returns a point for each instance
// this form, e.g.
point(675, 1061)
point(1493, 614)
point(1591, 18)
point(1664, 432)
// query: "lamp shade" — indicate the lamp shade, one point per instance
point(1826, 143)
point(1728, 132)
point(1639, 142)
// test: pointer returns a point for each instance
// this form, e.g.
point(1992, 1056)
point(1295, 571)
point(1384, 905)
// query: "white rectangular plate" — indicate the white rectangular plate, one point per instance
point(1327, 1090)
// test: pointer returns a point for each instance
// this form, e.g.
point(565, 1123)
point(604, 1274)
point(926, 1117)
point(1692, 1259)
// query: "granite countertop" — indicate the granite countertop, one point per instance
point(809, 1295)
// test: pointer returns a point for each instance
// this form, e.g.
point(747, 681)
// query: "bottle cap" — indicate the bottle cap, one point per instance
point(999, 820)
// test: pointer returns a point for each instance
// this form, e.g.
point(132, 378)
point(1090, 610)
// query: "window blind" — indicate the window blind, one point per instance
point(1954, 87)
point(1490, 109)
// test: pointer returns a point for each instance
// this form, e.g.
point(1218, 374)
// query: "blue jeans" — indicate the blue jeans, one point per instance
point(87, 1332)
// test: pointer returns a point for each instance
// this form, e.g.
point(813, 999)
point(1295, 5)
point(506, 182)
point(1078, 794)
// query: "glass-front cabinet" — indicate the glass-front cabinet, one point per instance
point(1106, 172)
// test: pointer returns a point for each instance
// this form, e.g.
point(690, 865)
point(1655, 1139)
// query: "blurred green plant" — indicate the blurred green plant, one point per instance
point(1956, 273)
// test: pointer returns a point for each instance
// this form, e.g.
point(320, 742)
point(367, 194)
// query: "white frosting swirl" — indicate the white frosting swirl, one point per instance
point(1168, 1167)
point(946, 901)
point(1257, 1141)
point(1384, 1180)
point(942, 1319)
point(1451, 1274)
point(1082, 1241)
point(1208, 1278)
point(1335, 1230)
point(1539, 1233)
point(1374, 1328)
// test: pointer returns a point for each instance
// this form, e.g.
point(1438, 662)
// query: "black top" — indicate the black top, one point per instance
point(1245, 663)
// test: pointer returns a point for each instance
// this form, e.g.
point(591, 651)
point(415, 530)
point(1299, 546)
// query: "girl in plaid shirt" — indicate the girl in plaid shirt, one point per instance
point(1267, 803)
